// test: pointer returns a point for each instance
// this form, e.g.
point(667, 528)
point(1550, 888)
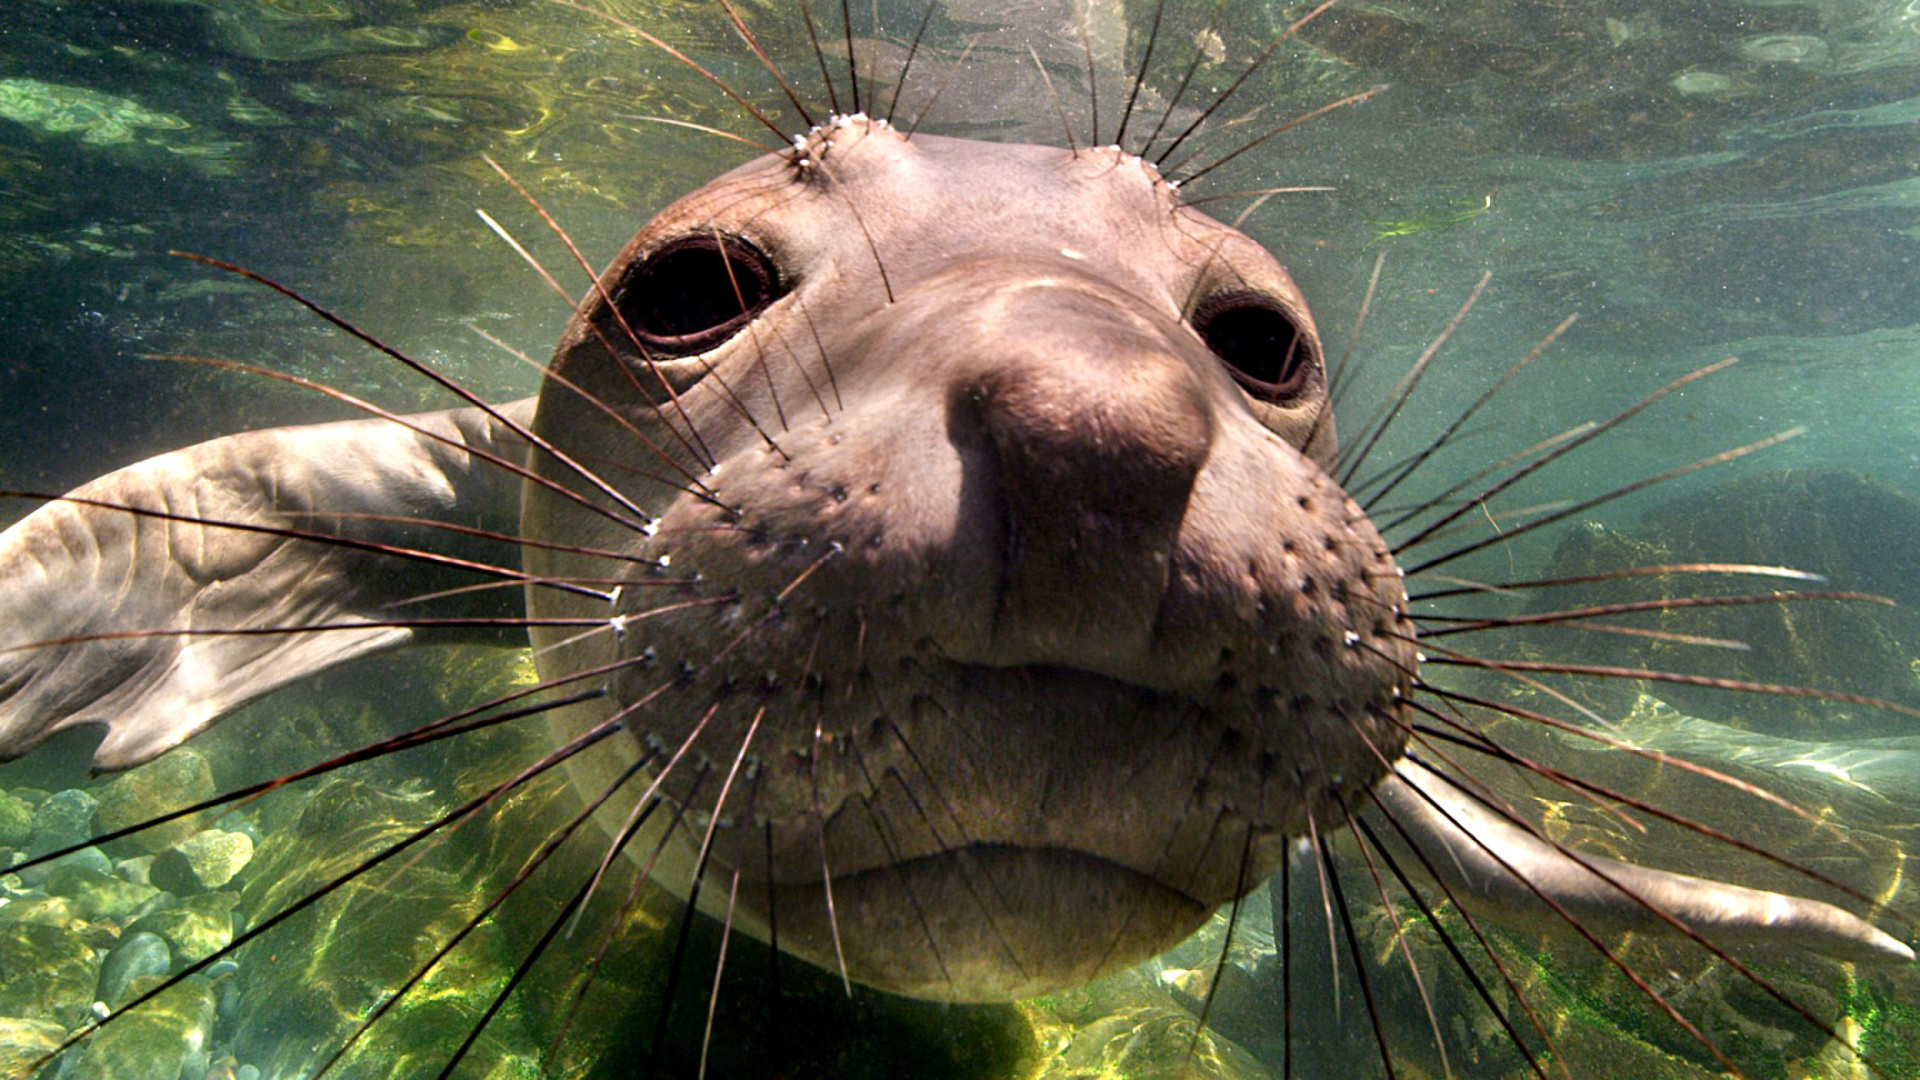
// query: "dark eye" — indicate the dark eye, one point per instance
point(692, 294)
point(1264, 349)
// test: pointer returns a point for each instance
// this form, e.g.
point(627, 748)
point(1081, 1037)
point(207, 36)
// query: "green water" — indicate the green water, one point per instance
point(1693, 179)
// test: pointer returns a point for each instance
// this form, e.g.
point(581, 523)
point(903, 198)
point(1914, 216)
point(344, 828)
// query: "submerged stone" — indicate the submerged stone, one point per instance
point(62, 820)
point(99, 896)
point(166, 1037)
point(196, 927)
point(168, 782)
point(50, 973)
point(16, 821)
point(24, 1042)
point(205, 860)
point(138, 955)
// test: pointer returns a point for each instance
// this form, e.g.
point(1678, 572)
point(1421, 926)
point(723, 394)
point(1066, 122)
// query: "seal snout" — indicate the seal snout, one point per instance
point(1092, 425)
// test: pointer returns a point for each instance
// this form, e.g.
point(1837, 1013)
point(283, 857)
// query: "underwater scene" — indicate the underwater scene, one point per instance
point(1615, 311)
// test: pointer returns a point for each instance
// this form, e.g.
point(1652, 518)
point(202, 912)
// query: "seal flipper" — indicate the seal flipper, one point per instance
point(76, 569)
point(1480, 854)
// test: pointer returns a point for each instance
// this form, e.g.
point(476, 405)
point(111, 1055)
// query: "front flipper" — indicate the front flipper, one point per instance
point(1483, 859)
point(211, 553)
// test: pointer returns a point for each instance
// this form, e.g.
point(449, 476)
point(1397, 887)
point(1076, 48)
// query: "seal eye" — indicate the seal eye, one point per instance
point(694, 293)
point(1266, 352)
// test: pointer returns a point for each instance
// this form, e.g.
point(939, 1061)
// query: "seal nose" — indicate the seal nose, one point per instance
point(1096, 426)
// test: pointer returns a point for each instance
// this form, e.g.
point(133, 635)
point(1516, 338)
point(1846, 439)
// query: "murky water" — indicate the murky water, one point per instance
point(1694, 180)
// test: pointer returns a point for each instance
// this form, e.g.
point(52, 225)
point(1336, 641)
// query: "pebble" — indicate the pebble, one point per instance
point(137, 955)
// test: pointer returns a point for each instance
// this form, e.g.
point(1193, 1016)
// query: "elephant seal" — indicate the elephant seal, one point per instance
point(946, 534)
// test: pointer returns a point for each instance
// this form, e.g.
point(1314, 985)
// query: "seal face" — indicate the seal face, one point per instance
point(990, 532)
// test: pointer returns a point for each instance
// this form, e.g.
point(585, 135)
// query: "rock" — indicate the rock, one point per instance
point(62, 820)
point(97, 895)
point(16, 821)
point(50, 973)
point(177, 778)
point(24, 1042)
point(138, 955)
point(164, 1038)
point(138, 870)
point(205, 860)
point(41, 910)
point(86, 858)
point(195, 928)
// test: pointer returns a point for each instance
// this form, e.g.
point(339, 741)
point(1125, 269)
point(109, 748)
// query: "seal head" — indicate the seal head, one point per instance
point(993, 533)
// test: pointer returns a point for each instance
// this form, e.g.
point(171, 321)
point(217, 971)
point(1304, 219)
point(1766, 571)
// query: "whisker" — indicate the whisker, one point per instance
point(1332, 876)
point(719, 967)
point(913, 49)
point(753, 43)
point(745, 105)
point(1186, 80)
point(1345, 464)
point(1059, 108)
point(1467, 414)
point(1472, 924)
point(1465, 506)
point(1093, 81)
point(1468, 625)
point(1622, 491)
point(1338, 380)
point(1140, 73)
point(438, 379)
point(1587, 434)
point(1468, 588)
point(552, 759)
point(697, 447)
point(1312, 114)
point(410, 424)
point(958, 66)
point(1226, 944)
point(1220, 99)
point(1400, 938)
point(473, 923)
point(820, 55)
point(1567, 917)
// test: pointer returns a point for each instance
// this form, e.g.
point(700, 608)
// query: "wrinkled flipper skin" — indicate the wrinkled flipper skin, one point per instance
point(1483, 858)
point(72, 569)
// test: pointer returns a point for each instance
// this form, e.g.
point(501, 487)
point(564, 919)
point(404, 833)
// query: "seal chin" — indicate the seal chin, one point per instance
point(1035, 921)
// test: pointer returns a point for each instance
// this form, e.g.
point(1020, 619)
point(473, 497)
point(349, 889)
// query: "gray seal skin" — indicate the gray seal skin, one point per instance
point(977, 547)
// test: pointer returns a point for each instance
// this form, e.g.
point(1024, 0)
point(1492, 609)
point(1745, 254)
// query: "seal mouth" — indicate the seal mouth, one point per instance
point(1008, 938)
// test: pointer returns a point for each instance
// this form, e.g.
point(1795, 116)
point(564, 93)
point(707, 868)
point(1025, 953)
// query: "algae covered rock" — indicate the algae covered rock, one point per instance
point(205, 860)
point(177, 778)
point(16, 821)
point(194, 928)
point(50, 973)
point(165, 1037)
point(24, 1042)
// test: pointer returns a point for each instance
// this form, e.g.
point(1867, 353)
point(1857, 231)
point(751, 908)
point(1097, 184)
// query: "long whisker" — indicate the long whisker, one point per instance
point(753, 43)
point(745, 105)
point(1254, 65)
point(1467, 414)
point(1312, 114)
point(558, 756)
point(438, 379)
point(700, 452)
point(1346, 463)
point(369, 546)
point(1332, 876)
point(913, 49)
point(1587, 435)
point(1585, 505)
point(1400, 938)
point(1140, 73)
